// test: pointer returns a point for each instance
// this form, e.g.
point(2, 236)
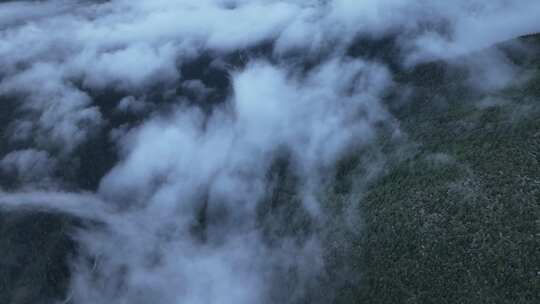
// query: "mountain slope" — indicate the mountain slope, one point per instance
point(459, 220)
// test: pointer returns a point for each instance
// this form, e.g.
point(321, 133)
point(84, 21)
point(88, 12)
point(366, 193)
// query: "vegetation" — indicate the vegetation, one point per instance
point(457, 221)
point(448, 214)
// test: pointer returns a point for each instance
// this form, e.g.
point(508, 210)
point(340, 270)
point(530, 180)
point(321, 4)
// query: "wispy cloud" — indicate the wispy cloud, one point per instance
point(181, 156)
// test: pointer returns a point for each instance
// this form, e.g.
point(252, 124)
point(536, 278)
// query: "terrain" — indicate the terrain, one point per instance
point(452, 214)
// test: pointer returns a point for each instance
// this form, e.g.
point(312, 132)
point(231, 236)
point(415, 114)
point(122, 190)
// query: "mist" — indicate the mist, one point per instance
point(175, 209)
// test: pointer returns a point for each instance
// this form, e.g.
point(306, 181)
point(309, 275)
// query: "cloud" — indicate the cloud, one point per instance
point(57, 113)
point(83, 205)
point(29, 166)
point(178, 210)
point(173, 163)
point(132, 105)
point(475, 25)
point(128, 68)
point(17, 12)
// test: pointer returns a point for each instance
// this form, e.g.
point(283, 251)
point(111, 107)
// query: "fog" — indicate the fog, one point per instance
point(178, 155)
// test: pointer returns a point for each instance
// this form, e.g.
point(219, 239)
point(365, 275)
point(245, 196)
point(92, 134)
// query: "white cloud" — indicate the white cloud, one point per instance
point(133, 105)
point(59, 114)
point(184, 159)
point(31, 167)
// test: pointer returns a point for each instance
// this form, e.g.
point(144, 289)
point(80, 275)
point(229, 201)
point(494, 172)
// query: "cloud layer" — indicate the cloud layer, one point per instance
point(178, 209)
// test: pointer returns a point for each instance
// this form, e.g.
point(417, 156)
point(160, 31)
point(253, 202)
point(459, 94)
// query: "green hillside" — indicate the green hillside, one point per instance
point(457, 220)
point(447, 213)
